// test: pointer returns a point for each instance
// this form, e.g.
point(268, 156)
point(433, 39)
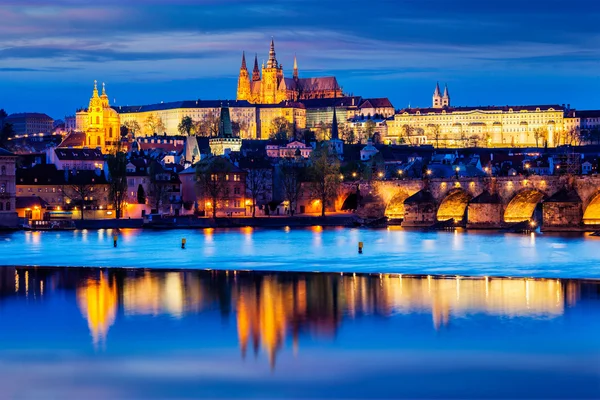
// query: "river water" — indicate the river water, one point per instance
point(87, 333)
point(417, 315)
point(314, 249)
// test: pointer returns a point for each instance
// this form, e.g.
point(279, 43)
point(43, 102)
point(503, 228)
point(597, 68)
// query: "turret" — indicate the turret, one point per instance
point(446, 97)
point(255, 71)
point(272, 63)
point(437, 97)
point(295, 68)
point(243, 89)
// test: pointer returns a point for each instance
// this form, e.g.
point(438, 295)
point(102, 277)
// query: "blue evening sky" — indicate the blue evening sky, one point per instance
point(147, 51)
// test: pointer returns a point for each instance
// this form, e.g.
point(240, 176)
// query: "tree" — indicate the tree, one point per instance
point(186, 126)
point(324, 174)
point(154, 124)
point(117, 184)
point(211, 179)
point(281, 129)
point(141, 194)
point(257, 181)
point(209, 125)
point(369, 128)
point(347, 134)
point(291, 183)
point(6, 132)
point(158, 191)
point(132, 126)
point(436, 133)
point(124, 131)
point(407, 132)
point(540, 133)
point(79, 189)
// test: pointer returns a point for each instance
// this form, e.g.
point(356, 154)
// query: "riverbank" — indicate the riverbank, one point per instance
point(190, 222)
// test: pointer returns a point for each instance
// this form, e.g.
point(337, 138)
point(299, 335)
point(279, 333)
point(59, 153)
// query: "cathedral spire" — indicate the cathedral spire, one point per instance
point(272, 63)
point(103, 89)
point(255, 71)
point(295, 68)
point(95, 92)
point(446, 93)
point(244, 60)
point(334, 127)
point(437, 90)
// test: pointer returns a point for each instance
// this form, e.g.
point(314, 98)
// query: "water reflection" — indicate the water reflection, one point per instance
point(271, 308)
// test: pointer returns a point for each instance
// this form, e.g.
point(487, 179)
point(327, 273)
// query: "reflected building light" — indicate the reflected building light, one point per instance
point(16, 282)
point(156, 293)
point(26, 283)
point(98, 301)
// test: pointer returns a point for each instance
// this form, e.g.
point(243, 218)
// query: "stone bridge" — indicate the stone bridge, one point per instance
point(555, 202)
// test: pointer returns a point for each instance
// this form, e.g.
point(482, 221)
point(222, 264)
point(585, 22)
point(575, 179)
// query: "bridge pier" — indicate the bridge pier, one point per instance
point(562, 211)
point(485, 212)
point(420, 210)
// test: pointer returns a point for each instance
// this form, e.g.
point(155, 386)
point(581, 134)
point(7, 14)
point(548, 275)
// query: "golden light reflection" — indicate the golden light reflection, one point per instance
point(97, 300)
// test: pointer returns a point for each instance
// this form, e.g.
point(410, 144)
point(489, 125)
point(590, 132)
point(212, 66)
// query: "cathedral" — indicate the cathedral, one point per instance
point(269, 86)
point(100, 122)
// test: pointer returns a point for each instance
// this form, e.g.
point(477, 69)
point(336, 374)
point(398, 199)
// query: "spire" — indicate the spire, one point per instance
point(334, 127)
point(272, 63)
point(225, 129)
point(244, 60)
point(256, 71)
point(446, 93)
point(104, 89)
point(295, 68)
point(437, 90)
point(95, 92)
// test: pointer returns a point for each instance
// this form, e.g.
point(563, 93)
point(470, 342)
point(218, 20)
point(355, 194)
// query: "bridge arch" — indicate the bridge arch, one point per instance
point(522, 205)
point(454, 205)
point(395, 208)
point(591, 215)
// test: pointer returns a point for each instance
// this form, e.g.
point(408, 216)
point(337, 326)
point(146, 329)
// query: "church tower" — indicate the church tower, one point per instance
point(95, 130)
point(243, 88)
point(255, 71)
point(272, 74)
point(295, 68)
point(437, 97)
point(446, 97)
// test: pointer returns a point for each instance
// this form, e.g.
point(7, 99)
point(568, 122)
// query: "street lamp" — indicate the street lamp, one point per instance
point(354, 174)
point(380, 175)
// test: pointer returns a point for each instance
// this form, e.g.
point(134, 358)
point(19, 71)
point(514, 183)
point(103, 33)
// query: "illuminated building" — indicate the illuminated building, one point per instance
point(486, 126)
point(269, 86)
point(8, 190)
point(98, 300)
point(100, 122)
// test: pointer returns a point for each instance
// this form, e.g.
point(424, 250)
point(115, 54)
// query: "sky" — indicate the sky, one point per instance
point(147, 51)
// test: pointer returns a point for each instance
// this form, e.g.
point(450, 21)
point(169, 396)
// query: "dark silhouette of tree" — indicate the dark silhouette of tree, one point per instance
point(117, 183)
point(186, 126)
point(141, 194)
point(291, 183)
point(324, 174)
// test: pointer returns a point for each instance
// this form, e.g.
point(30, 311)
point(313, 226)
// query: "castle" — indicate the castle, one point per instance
point(269, 86)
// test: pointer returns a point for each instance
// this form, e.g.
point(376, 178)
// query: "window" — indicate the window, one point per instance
point(8, 206)
point(1, 207)
point(97, 120)
point(28, 214)
point(236, 190)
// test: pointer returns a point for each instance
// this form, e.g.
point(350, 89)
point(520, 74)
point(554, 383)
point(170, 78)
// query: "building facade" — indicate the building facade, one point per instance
point(8, 214)
point(30, 123)
point(269, 86)
point(100, 122)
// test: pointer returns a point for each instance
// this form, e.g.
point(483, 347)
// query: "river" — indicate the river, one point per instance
point(392, 250)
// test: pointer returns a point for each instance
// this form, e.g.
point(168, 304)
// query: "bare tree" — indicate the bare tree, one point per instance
point(209, 125)
point(257, 182)
point(540, 133)
point(211, 179)
point(79, 189)
point(324, 175)
point(154, 124)
point(159, 188)
point(291, 182)
point(407, 132)
point(436, 133)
